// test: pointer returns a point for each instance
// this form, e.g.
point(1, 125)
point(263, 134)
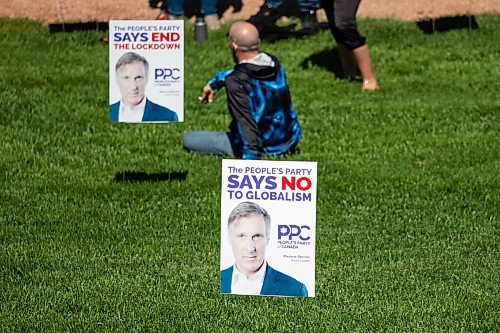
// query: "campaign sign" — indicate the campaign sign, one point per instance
point(146, 71)
point(268, 228)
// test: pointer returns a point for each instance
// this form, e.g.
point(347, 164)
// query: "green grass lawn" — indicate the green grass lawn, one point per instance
point(408, 190)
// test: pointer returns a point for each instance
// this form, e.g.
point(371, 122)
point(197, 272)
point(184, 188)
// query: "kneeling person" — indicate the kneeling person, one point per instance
point(263, 119)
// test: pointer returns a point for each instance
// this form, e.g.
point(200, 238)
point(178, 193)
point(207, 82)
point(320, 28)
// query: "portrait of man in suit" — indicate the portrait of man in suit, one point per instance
point(132, 71)
point(248, 231)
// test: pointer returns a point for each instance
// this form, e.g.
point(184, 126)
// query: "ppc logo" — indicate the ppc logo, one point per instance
point(167, 73)
point(292, 231)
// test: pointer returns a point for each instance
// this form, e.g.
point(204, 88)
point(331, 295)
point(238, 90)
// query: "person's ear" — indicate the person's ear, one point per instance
point(234, 46)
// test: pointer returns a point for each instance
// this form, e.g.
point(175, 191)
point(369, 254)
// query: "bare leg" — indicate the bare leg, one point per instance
point(364, 61)
point(348, 62)
point(212, 21)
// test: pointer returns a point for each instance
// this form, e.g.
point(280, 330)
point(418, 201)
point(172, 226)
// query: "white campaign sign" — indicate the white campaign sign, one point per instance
point(287, 191)
point(161, 43)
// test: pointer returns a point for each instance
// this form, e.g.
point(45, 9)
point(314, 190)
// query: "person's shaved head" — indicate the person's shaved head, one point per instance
point(245, 35)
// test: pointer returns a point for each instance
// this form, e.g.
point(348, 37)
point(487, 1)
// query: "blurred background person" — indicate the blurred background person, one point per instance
point(307, 11)
point(353, 50)
point(173, 10)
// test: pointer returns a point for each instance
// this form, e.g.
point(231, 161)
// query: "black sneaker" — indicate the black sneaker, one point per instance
point(310, 22)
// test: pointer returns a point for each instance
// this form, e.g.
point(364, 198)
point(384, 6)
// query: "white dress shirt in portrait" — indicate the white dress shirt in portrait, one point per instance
point(243, 285)
point(131, 115)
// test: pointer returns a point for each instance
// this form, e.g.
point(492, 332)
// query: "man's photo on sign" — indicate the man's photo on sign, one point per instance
point(132, 74)
point(249, 227)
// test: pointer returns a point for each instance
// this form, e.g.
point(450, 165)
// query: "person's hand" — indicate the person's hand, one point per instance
point(207, 95)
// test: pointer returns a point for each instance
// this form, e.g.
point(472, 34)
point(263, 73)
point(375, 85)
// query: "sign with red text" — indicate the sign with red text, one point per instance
point(268, 228)
point(146, 71)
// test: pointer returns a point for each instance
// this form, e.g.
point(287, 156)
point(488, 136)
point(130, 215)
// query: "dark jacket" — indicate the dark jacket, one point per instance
point(275, 283)
point(152, 112)
point(263, 118)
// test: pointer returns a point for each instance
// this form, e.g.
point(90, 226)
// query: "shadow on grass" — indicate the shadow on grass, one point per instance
point(328, 59)
point(448, 23)
point(83, 26)
point(138, 176)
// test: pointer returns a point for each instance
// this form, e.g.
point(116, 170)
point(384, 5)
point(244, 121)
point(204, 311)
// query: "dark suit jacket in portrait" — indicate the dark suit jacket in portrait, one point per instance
point(275, 283)
point(152, 112)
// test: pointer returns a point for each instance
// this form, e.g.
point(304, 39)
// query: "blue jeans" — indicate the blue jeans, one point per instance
point(305, 5)
point(176, 7)
point(208, 142)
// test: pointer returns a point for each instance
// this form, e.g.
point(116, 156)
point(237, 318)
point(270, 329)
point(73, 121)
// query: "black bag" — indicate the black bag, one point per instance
point(265, 22)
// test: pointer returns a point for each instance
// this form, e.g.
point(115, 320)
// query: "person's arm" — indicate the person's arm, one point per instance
point(239, 107)
point(216, 83)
